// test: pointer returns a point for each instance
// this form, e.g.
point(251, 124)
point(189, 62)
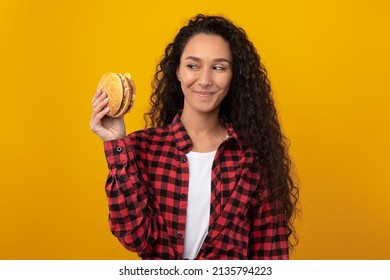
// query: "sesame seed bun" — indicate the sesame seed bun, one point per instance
point(120, 90)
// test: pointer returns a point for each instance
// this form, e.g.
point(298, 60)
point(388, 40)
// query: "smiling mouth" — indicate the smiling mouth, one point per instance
point(204, 93)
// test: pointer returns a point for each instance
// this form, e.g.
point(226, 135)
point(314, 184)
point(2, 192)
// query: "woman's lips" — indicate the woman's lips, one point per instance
point(204, 93)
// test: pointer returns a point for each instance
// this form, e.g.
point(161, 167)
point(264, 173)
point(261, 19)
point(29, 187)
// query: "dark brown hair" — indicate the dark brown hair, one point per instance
point(248, 105)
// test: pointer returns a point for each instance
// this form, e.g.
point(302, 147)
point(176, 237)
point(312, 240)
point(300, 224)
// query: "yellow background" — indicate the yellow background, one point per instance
point(328, 62)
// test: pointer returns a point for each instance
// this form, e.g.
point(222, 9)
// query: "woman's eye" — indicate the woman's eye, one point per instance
point(192, 66)
point(219, 67)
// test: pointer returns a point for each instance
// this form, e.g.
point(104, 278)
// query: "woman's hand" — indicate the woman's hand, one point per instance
point(105, 127)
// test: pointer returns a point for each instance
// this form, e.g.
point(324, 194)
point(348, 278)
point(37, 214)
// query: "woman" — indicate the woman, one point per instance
point(210, 177)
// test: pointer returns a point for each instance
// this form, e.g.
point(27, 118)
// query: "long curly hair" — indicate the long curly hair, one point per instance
point(248, 105)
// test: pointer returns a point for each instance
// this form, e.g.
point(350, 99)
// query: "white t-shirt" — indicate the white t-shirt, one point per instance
point(198, 205)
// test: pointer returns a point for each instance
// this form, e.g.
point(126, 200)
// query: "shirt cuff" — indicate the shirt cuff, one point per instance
point(116, 153)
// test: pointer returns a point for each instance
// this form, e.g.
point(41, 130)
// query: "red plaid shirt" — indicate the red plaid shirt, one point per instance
point(147, 190)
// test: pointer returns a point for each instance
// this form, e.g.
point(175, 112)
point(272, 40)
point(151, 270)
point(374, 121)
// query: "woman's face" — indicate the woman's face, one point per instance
point(205, 72)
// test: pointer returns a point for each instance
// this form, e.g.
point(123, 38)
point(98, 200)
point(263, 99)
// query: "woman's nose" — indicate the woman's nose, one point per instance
point(205, 78)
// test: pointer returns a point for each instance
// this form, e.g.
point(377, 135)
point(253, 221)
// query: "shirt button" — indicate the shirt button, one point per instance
point(179, 235)
point(123, 179)
point(183, 195)
point(119, 149)
point(183, 159)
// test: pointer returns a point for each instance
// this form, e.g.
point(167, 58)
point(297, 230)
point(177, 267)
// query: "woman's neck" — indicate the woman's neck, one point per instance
point(205, 130)
point(201, 123)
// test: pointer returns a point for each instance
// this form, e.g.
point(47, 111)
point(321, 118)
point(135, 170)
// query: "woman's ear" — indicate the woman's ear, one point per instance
point(177, 74)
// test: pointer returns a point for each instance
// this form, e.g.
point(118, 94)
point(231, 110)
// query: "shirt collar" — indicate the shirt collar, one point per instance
point(183, 140)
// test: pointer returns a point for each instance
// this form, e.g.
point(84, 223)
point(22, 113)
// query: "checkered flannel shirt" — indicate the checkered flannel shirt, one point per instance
point(147, 189)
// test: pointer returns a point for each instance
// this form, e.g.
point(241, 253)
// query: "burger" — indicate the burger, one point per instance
point(120, 90)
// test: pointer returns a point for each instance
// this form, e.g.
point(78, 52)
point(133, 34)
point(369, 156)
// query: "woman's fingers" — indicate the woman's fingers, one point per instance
point(106, 128)
point(99, 103)
point(99, 110)
point(97, 95)
point(102, 113)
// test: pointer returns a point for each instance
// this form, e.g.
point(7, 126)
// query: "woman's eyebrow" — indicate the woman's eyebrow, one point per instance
point(195, 58)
